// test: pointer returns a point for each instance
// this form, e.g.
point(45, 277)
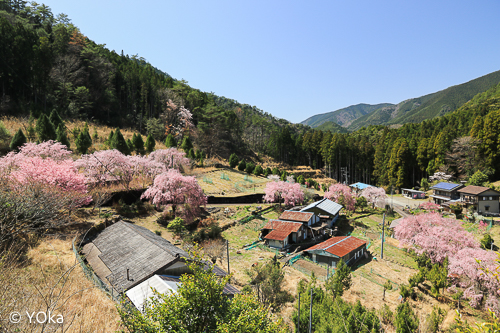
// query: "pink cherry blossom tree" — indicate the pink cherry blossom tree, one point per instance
point(430, 206)
point(146, 167)
point(173, 189)
point(434, 235)
point(290, 193)
point(47, 149)
point(343, 195)
point(374, 195)
point(171, 158)
point(62, 175)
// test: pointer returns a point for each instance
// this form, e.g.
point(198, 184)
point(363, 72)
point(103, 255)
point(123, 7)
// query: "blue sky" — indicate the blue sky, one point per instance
point(295, 59)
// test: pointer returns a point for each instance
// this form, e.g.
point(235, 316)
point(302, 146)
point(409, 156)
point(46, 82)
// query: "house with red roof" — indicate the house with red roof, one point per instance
point(329, 252)
point(280, 234)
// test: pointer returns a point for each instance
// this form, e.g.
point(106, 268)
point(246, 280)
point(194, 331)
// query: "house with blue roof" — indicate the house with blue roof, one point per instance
point(360, 186)
point(445, 193)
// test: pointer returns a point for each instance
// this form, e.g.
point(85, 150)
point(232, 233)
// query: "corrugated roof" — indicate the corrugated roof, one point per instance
point(411, 190)
point(164, 284)
point(278, 235)
point(283, 225)
point(471, 189)
point(446, 186)
point(326, 205)
point(296, 216)
point(128, 246)
point(339, 246)
point(360, 186)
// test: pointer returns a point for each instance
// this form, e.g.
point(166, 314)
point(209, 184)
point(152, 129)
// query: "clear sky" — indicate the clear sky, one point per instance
point(295, 59)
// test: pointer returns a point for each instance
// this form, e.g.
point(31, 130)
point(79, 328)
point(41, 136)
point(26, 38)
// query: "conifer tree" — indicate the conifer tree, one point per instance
point(44, 129)
point(83, 141)
point(150, 143)
point(18, 140)
point(118, 142)
point(186, 144)
point(233, 160)
point(62, 137)
point(242, 166)
point(130, 146)
point(110, 139)
point(170, 141)
point(191, 154)
point(55, 119)
point(138, 144)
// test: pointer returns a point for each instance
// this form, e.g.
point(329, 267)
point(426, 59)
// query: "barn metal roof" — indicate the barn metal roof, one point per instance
point(279, 235)
point(339, 246)
point(360, 186)
point(326, 205)
point(444, 186)
point(296, 216)
point(283, 225)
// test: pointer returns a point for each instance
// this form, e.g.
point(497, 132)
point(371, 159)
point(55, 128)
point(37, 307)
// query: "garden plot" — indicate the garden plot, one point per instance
point(222, 182)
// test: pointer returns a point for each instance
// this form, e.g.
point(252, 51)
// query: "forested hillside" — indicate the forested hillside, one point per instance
point(48, 63)
point(433, 105)
point(344, 117)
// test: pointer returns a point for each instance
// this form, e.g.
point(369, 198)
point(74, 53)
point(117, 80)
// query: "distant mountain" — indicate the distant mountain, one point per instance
point(344, 117)
point(413, 110)
point(437, 104)
point(332, 127)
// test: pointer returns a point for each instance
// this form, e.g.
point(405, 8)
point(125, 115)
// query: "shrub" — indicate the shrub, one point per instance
point(233, 160)
point(242, 165)
point(249, 167)
point(258, 170)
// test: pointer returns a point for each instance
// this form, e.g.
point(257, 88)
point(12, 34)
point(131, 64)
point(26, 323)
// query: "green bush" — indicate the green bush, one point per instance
point(242, 165)
point(258, 170)
point(249, 167)
point(233, 160)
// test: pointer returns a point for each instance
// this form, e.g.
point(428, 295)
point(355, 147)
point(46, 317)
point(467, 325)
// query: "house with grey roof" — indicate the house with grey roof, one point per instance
point(124, 255)
point(445, 193)
point(326, 210)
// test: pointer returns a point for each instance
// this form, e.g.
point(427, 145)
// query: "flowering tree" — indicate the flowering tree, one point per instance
point(429, 206)
point(434, 235)
point(343, 195)
point(374, 195)
point(173, 189)
point(103, 166)
point(441, 238)
point(291, 193)
point(48, 149)
point(146, 167)
point(171, 158)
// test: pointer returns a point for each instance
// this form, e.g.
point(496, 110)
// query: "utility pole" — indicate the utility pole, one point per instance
point(383, 235)
point(298, 317)
point(311, 312)
point(227, 243)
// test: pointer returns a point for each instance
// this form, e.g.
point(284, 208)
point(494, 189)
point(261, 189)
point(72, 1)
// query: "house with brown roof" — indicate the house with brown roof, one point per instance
point(348, 248)
point(307, 218)
point(483, 199)
point(280, 234)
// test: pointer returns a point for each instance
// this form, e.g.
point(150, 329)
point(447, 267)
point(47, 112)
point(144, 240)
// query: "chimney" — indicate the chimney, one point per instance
point(128, 274)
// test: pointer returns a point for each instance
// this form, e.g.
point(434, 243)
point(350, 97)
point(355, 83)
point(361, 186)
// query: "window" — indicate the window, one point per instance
point(491, 198)
point(484, 198)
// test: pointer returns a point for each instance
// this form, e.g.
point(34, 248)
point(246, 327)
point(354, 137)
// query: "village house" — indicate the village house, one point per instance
point(325, 210)
point(124, 255)
point(412, 194)
point(281, 234)
point(484, 200)
point(445, 193)
point(348, 248)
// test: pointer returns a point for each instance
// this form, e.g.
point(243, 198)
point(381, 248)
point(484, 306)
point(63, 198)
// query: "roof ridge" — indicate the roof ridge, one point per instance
point(129, 225)
point(326, 248)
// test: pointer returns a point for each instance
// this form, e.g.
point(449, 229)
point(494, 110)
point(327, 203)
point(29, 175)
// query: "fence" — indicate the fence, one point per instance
point(224, 176)
point(89, 273)
point(207, 180)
